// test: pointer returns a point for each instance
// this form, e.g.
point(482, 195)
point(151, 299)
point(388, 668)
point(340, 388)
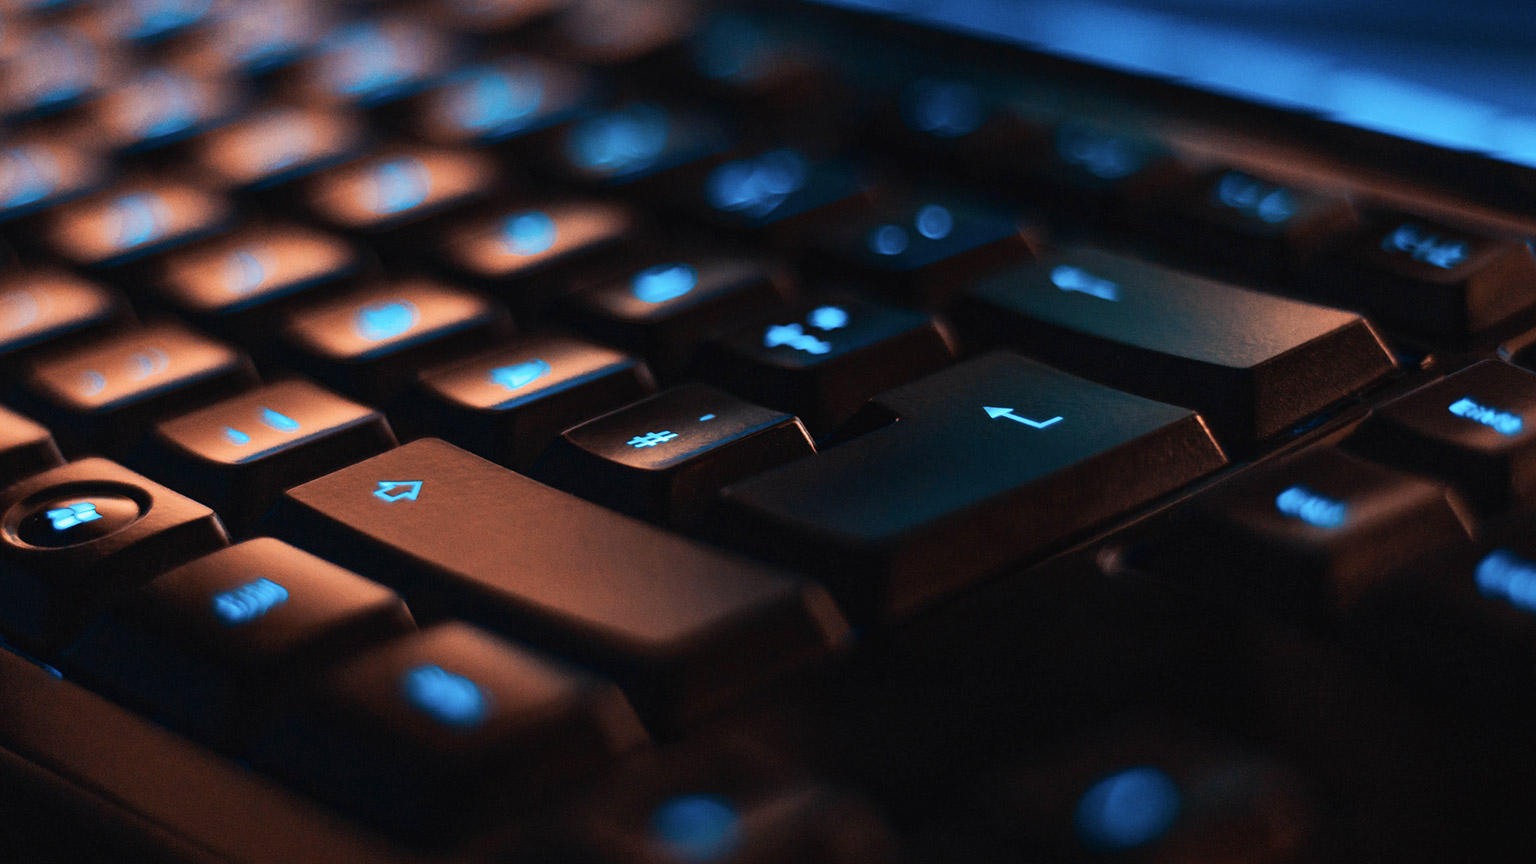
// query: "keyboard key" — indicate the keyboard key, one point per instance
point(1467, 429)
point(149, 21)
point(617, 32)
point(1427, 279)
point(444, 730)
point(638, 141)
point(680, 626)
point(1095, 174)
point(134, 220)
point(667, 310)
point(53, 69)
point(79, 535)
point(1253, 365)
point(26, 448)
point(509, 99)
point(909, 513)
point(236, 285)
point(822, 360)
point(780, 194)
point(161, 106)
point(924, 253)
point(375, 62)
point(665, 458)
point(377, 198)
point(49, 308)
point(277, 146)
point(510, 404)
point(1307, 536)
point(38, 173)
point(371, 342)
point(256, 37)
point(212, 645)
point(238, 456)
point(103, 397)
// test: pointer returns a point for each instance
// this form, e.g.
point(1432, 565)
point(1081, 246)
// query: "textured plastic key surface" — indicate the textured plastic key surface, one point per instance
point(978, 467)
point(277, 146)
point(25, 448)
point(681, 626)
point(40, 307)
point(132, 220)
point(1252, 364)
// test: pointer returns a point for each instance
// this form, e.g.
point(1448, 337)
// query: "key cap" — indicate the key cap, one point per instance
point(664, 458)
point(372, 63)
point(924, 253)
point(211, 646)
point(915, 510)
point(508, 100)
point(1307, 536)
point(150, 21)
point(41, 307)
point(238, 285)
point(615, 33)
point(1093, 174)
point(444, 730)
point(237, 456)
point(507, 406)
point(1244, 225)
point(665, 311)
point(37, 173)
point(1467, 429)
point(1253, 365)
point(1425, 278)
point(53, 69)
point(680, 626)
point(134, 220)
point(276, 146)
point(821, 360)
point(26, 448)
point(160, 106)
point(958, 121)
point(258, 37)
point(102, 398)
point(638, 145)
point(387, 197)
point(79, 535)
point(780, 195)
point(371, 342)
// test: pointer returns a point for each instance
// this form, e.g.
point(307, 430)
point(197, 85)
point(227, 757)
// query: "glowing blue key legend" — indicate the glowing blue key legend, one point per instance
point(1299, 502)
point(447, 697)
point(1420, 244)
point(398, 490)
point(519, 375)
point(664, 282)
point(380, 321)
point(651, 439)
point(1127, 809)
point(697, 828)
point(1501, 422)
point(248, 602)
point(278, 421)
point(1503, 575)
point(1076, 279)
point(70, 515)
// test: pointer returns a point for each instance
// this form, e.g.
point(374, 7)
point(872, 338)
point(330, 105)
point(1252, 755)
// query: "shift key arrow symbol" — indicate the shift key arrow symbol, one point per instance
point(995, 413)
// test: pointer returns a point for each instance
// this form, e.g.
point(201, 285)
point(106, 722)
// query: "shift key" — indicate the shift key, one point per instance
point(683, 628)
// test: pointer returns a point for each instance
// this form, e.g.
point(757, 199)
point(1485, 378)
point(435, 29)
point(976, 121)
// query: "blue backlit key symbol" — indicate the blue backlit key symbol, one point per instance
point(828, 318)
point(1127, 809)
point(757, 186)
point(399, 185)
point(70, 515)
point(1422, 245)
point(236, 437)
point(397, 490)
point(664, 282)
point(1506, 576)
point(381, 321)
point(1299, 502)
point(1501, 422)
point(244, 272)
point(520, 375)
point(248, 602)
point(697, 827)
point(146, 363)
point(995, 413)
point(651, 439)
point(280, 422)
point(1076, 279)
point(92, 382)
point(136, 219)
point(794, 336)
point(529, 233)
point(446, 697)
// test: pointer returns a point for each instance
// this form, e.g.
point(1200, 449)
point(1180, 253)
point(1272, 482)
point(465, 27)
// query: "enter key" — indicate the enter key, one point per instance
point(988, 464)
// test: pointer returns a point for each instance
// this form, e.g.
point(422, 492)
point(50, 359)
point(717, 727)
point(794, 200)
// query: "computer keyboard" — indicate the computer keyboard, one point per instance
point(619, 432)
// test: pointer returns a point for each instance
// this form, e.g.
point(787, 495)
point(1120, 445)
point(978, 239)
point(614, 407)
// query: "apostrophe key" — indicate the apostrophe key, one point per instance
point(665, 458)
point(984, 465)
point(641, 145)
point(102, 397)
point(1306, 537)
point(236, 285)
point(1467, 429)
point(134, 220)
point(439, 732)
point(161, 106)
point(390, 198)
point(371, 342)
point(665, 311)
point(926, 252)
point(1094, 174)
point(1252, 364)
point(1235, 223)
point(510, 404)
point(48, 308)
point(512, 100)
point(682, 627)
point(76, 536)
point(277, 146)
point(1424, 278)
point(779, 195)
point(238, 456)
point(822, 359)
point(374, 63)
point(53, 69)
point(39, 172)
point(26, 448)
point(212, 646)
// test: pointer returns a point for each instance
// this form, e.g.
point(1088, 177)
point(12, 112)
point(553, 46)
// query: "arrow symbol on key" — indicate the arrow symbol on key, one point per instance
point(995, 413)
point(398, 490)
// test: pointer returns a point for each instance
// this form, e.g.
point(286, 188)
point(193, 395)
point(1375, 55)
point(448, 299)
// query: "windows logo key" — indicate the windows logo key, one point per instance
point(70, 515)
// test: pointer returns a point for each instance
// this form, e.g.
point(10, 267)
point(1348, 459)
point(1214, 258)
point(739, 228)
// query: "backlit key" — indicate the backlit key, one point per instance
point(378, 196)
point(135, 220)
point(278, 145)
point(375, 62)
point(507, 99)
point(46, 307)
point(36, 173)
point(160, 106)
point(26, 448)
point(635, 142)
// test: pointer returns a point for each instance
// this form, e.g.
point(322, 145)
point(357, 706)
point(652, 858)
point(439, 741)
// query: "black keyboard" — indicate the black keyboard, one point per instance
point(605, 432)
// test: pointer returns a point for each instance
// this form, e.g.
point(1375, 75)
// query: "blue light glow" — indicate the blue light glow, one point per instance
point(519, 375)
point(706, 417)
point(136, 219)
point(379, 321)
point(279, 422)
point(27, 175)
point(157, 17)
point(1422, 245)
point(530, 232)
point(1299, 502)
point(70, 515)
point(446, 697)
point(944, 109)
point(243, 272)
point(889, 240)
point(1127, 809)
point(757, 186)
point(994, 412)
point(57, 66)
point(1506, 576)
point(664, 282)
point(697, 828)
point(150, 361)
point(398, 490)
point(1254, 198)
point(731, 48)
point(163, 104)
point(92, 382)
point(494, 100)
point(651, 439)
point(794, 336)
point(362, 59)
point(398, 185)
point(620, 142)
point(236, 437)
point(1103, 154)
point(1076, 279)
point(828, 318)
point(248, 602)
point(1501, 422)
point(935, 222)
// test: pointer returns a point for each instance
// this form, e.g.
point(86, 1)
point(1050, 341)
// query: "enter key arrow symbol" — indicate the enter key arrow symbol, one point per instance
point(995, 413)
